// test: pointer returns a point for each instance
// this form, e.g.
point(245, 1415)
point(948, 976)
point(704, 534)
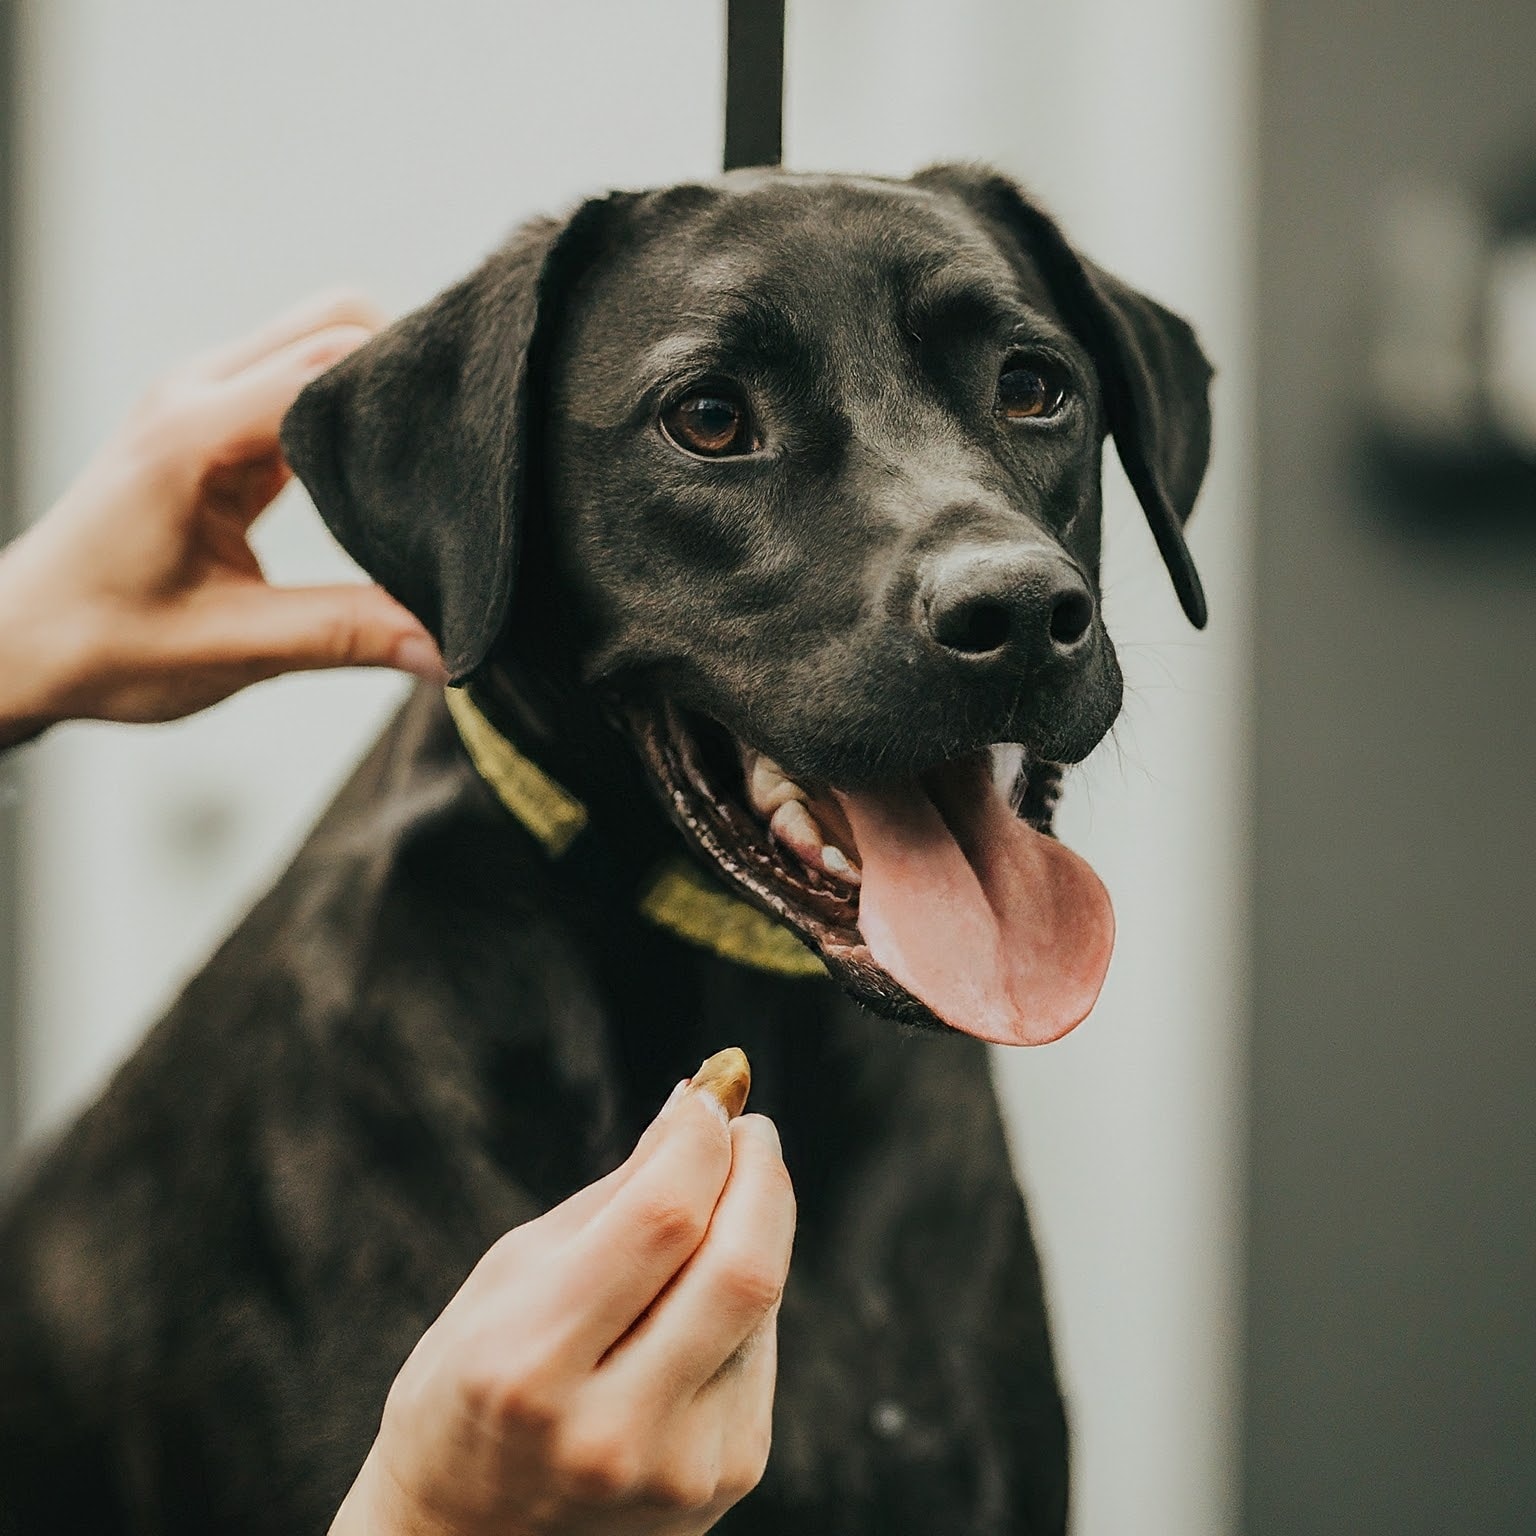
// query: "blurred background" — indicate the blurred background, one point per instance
point(1284, 1180)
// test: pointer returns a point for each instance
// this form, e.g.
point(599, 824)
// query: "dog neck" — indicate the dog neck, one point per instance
point(665, 886)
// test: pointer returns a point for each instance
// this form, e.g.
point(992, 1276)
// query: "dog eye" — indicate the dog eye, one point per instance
point(1029, 390)
point(709, 422)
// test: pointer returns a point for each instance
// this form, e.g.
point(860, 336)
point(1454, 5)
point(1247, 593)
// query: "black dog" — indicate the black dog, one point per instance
point(756, 515)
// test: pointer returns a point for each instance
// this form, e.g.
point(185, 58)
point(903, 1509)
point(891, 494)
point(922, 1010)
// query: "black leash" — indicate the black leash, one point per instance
point(754, 83)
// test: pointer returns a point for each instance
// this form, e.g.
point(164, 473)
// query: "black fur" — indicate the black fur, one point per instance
point(430, 1031)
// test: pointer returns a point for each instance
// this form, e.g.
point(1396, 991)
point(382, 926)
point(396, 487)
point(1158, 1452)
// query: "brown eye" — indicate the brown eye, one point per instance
point(708, 422)
point(1028, 390)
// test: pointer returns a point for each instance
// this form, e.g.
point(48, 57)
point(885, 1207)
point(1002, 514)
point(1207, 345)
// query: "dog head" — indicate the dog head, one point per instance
point(810, 471)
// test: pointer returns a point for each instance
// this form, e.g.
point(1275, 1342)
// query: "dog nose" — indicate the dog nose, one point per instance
point(1018, 607)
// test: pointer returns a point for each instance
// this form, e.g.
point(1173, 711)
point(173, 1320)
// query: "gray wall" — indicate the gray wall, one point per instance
point(9, 520)
point(1391, 1372)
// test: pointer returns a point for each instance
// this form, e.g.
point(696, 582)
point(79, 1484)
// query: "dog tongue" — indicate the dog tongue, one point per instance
point(1000, 930)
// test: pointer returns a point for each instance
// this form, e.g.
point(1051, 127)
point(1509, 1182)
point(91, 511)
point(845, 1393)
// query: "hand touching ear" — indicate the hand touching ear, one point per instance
point(138, 598)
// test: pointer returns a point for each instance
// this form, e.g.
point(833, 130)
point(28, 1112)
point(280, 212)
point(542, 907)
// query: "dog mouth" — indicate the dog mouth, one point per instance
point(944, 901)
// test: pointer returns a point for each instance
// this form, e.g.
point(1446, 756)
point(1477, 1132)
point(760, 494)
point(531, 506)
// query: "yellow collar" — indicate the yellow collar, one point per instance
point(679, 898)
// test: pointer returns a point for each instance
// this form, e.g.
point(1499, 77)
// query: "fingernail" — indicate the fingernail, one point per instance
point(726, 1079)
point(417, 654)
point(770, 1129)
point(333, 344)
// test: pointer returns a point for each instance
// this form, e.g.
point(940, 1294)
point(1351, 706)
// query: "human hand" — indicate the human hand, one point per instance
point(607, 1369)
point(138, 598)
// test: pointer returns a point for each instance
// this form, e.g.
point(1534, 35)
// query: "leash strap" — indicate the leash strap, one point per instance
point(678, 897)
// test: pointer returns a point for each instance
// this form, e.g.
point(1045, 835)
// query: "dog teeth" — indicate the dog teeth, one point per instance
point(769, 787)
point(795, 827)
point(1007, 764)
point(1008, 777)
point(835, 862)
point(786, 807)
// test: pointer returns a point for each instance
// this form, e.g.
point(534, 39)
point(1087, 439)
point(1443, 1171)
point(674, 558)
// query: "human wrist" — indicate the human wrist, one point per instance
point(359, 1514)
point(43, 646)
point(375, 1505)
point(39, 644)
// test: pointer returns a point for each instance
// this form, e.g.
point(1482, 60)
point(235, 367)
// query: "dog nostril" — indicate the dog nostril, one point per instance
point(1071, 617)
point(974, 628)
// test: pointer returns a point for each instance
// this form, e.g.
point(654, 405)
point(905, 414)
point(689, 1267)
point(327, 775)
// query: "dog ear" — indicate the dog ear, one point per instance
point(1154, 377)
point(416, 447)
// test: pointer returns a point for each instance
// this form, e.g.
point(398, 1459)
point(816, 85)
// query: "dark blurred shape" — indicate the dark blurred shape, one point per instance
point(1390, 1379)
point(754, 83)
point(1450, 447)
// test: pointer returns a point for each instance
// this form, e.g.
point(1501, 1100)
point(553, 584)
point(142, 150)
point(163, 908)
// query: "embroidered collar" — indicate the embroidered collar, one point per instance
point(678, 897)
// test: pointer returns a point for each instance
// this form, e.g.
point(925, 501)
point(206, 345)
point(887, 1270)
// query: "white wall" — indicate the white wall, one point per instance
point(1130, 121)
point(192, 167)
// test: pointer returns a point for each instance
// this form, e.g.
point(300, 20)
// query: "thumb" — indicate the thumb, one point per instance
point(349, 625)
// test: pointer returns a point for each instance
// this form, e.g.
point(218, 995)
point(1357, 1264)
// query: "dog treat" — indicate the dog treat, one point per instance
point(727, 1075)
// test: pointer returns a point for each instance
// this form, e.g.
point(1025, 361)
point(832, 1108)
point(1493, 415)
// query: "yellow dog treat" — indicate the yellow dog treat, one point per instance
point(727, 1075)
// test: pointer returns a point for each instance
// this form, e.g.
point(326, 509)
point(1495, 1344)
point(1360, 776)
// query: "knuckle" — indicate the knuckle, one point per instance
point(518, 1398)
point(750, 1283)
point(747, 1458)
point(743, 1475)
point(341, 633)
point(682, 1488)
point(161, 424)
point(670, 1223)
point(601, 1468)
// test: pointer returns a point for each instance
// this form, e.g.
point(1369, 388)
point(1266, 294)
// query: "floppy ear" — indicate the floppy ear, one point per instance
point(416, 447)
point(1154, 377)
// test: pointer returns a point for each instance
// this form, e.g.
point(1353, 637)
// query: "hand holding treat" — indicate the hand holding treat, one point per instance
point(609, 1367)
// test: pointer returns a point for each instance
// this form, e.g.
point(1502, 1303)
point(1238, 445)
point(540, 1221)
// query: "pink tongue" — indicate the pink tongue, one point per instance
point(1000, 930)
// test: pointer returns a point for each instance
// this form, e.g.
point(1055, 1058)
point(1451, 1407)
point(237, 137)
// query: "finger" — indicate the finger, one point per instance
point(732, 1284)
point(628, 1252)
point(563, 1221)
point(321, 312)
point(743, 1397)
point(306, 629)
point(726, 1075)
point(239, 418)
point(242, 492)
point(750, 1369)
